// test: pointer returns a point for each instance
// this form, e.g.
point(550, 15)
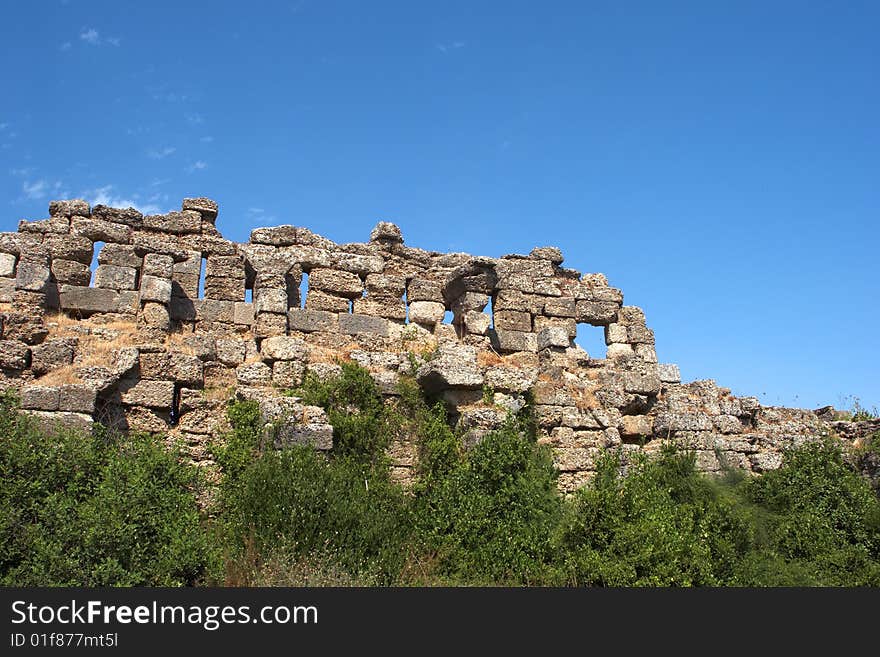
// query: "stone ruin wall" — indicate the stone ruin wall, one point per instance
point(142, 349)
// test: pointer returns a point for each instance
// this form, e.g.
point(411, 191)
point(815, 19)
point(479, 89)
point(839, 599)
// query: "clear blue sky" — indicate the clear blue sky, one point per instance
point(718, 161)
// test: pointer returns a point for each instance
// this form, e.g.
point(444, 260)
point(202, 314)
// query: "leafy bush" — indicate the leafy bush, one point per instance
point(83, 510)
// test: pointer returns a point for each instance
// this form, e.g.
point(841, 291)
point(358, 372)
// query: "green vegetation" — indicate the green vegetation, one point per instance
point(108, 510)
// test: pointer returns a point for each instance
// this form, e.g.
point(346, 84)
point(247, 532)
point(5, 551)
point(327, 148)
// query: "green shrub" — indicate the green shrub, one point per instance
point(83, 510)
point(488, 518)
point(663, 524)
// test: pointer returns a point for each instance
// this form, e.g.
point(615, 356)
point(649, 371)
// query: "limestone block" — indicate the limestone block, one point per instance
point(230, 352)
point(597, 313)
point(148, 420)
point(426, 312)
point(7, 290)
point(155, 289)
point(617, 350)
point(510, 379)
point(477, 323)
point(69, 208)
point(567, 324)
point(225, 288)
point(641, 377)
point(632, 426)
point(385, 285)
point(32, 276)
point(254, 374)
point(513, 320)
point(127, 216)
point(112, 277)
point(454, 367)
point(206, 207)
point(275, 236)
point(646, 352)
point(71, 247)
point(284, 348)
point(507, 341)
point(212, 310)
point(121, 255)
point(727, 424)
point(182, 309)
point(388, 307)
point(669, 373)
point(667, 421)
point(765, 461)
point(287, 373)
point(269, 324)
point(560, 307)
point(318, 300)
point(354, 324)
point(58, 225)
point(553, 336)
point(77, 398)
point(7, 265)
point(386, 232)
point(421, 289)
point(40, 398)
point(50, 422)
point(243, 313)
point(159, 265)
point(309, 321)
point(224, 267)
point(516, 300)
point(95, 300)
point(616, 334)
point(177, 223)
point(271, 300)
point(68, 272)
point(52, 354)
point(146, 392)
point(190, 264)
point(185, 285)
point(99, 230)
point(340, 283)
point(639, 334)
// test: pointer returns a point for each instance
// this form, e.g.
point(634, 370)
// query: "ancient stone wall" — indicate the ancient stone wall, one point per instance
point(176, 319)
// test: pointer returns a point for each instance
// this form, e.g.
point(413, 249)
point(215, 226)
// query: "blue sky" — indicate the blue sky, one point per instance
point(718, 161)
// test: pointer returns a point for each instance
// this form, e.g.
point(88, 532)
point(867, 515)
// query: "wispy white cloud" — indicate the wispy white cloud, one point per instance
point(161, 153)
point(160, 181)
point(22, 171)
point(198, 165)
point(67, 45)
point(92, 37)
point(107, 195)
point(259, 214)
point(40, 189)
point(446, 47)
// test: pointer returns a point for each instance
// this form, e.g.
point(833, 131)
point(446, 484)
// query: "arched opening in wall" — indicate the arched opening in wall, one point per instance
point(304, 289)
point(448, 316)
point(592, 340)
point(203, 267)
point(94, 265)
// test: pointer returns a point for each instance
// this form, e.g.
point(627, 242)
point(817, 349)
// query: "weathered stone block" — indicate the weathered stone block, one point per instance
point(50, 422)
point(520, 301)
point(182, 309)
point(353, 324)
point(309, 321)
point(390, 308)
point(99, 230)
point(284, 348)
point(318, 300)
point(551, 253)
point(269, 324)
point(287, 373)
point(362, 265)
point(146, 392)
point(639, 334)
point(386, 232)
point(669, 373)
point(155, 289)
point(190, 264)
point(177, 223)
point(7, 265)
point(420, 289)
point(69, 208)
point(148, 420)
point(52, 354)
point(567, 324)
point(560, 307)
point(224, 267)
point(226, 289)
point(271, 300)
point(32, 276)
point(275, 236)
point(254, 374)
point(455, 367)
point(553, 336)
point(230, 352)
point(597, 313)
point(206, 207)
point(120, 255)
point(340, 283)
point(243, 313)
point(426, 312)
point(77, 398)
point(476, 323)
point(633, 426)
point(7, 290)
point(68, 272)
point(159, 265)
point(128, 216)
point(616, 334)
point(40, 398)
point(112, 277)
point(95, 300)
point(211, 310)
point(508, 341)
point(71, 247)
point(513, 320)
point(58, 225)
point(385, 285)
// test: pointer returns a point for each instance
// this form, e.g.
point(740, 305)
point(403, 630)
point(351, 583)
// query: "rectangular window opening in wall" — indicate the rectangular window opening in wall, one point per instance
point(249, 295)
point(202, 269)
point(448, 316)
point(490, 310)
point(592, 340)
point(406, 307)
point(97, 250)
point(350, 307)
point(304, 289)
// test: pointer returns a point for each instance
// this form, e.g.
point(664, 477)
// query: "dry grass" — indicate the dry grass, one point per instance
point(219, 393)
point(60, 377)
point(489, 359)
point(327, 355)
